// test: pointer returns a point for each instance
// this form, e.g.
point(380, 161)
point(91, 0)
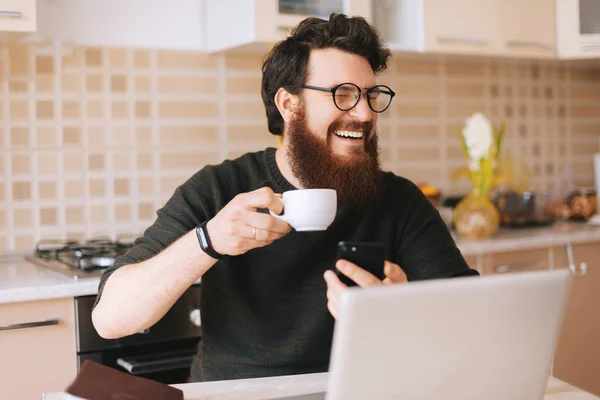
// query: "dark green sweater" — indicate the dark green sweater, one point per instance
point(264, 313)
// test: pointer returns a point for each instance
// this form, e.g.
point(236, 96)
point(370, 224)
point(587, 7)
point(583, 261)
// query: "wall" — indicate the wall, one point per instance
point(94, 140)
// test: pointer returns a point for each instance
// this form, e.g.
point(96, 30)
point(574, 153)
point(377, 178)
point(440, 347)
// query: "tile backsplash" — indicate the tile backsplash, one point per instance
point(94, 140)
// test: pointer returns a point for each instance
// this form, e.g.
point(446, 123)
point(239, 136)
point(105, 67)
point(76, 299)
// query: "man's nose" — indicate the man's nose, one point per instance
point(362, 111)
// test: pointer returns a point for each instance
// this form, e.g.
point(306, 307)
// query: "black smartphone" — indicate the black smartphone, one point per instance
point(368, 256)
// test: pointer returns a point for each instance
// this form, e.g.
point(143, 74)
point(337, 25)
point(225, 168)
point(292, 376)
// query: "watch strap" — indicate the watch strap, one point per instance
point(205, 242)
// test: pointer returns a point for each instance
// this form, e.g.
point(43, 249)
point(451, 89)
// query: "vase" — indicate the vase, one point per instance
point(476, 217)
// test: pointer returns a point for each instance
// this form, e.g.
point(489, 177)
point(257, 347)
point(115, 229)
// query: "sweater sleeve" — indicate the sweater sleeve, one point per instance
point(189, 206)
point(427, 249)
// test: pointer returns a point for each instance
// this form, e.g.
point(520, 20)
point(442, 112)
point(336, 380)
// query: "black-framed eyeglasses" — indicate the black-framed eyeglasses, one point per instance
point(347, 95)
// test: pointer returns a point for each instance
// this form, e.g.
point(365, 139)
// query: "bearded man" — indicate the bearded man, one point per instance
point(269, 293)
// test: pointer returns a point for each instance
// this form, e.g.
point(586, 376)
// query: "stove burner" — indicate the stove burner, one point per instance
point(96, 253)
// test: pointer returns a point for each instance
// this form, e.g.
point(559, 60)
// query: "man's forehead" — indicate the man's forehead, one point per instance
point(332, 66)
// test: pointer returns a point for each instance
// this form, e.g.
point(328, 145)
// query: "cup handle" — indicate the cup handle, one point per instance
point(282, 216)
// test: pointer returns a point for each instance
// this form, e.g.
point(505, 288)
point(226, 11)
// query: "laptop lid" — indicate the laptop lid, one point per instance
point(490, 337)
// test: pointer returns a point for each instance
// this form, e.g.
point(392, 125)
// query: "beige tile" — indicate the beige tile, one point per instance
point(465, 69)
point(118, 58)
point(187, 85)
point(73, 59)
point(122, 212)
point(408, 131)
point(96, 135)
point(186, 60)
point(97, 188)
point(73, 162)
point(407, 89)
point(119, 109)
point(245, 110)
point(70, 109)
point(188, 134)
point(48, 216)
point(141, 58)
point(3, 221)
point(96, 162)
point(18, 109)
point(44, 64)
point(74, 215)
point(143, 134)
point(146, 211)
point(243, 134)
point(21, 164)
point(142, 84)
point(417, 111)
point(71, 136)
point(95, 109)
point(47, 190)
point(120, 135)
point(94, 83)
point(47, 163)
point(19, 86)
point(74, 189)
point(585, 111)
point(3, 243)
point(44, 84)
point(121, 187)
point(417, 67)
point(191, 160)
point(46, 136)
point(18, 65)
point(24, 242)
point(71, 83)
point(23, 218)
point(21, 190)
point(142, 109)
point(236, 61)
point(406, 153)
point(188, 109)
point(144, 161)
point(463, 110)
point(93, 57)
point(584, 92)
point(76, 236)
point(121, 162)
point(98, 213)
point(118, 84)
point(464, 90)
point(145, 186)
point(19, 136)
point(44, 109)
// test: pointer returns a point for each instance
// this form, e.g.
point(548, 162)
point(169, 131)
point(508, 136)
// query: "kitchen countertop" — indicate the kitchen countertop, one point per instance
point(23, 281)
point(269, 388)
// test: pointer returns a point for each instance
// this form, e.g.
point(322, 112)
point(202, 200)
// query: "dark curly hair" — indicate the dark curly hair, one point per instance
point(286, 64)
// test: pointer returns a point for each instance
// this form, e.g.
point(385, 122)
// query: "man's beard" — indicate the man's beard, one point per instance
point(355, 177)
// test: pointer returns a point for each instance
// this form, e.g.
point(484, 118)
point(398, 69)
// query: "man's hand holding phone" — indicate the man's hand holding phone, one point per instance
point(376, 271)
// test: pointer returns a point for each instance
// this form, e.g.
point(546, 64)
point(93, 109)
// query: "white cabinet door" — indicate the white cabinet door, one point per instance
point(578, 28)
point(17, 15)
point(462, 26)
point(528, 28)
point(37, 348)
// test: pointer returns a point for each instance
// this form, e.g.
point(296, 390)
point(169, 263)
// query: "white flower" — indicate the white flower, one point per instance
point(478, 134)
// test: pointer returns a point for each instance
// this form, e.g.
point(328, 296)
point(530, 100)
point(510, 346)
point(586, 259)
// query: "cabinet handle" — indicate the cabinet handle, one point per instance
point(518, 267)
point(26, 325)
point(590, 46)
point(525, 43)
point(572, 266)
point(463, 40)
point(11, 14)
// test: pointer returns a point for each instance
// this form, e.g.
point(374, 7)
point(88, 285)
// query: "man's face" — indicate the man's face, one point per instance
point(319, 154)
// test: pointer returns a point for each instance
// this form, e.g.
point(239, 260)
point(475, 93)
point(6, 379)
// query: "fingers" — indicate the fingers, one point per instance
point(362, 277)
point(334, 289)
point(262, 198)
point(269, 226)
point(393, 273)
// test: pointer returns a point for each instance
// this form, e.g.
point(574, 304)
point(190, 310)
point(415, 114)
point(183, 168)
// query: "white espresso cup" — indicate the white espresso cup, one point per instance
point(309, 209)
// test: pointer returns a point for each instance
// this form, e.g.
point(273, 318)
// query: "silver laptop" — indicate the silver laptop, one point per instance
point(477, 338)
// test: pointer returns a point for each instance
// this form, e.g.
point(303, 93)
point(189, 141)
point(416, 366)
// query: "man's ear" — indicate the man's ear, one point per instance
point(286, 103)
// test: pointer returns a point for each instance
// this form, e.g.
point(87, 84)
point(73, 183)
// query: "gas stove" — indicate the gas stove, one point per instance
point(80, 259)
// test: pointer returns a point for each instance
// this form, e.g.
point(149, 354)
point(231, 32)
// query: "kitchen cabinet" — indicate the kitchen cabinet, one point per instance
point(577, 358)
point(254, 25)
point(38, 348)
point(17, 18)
point(578, 28)
point(516, 261)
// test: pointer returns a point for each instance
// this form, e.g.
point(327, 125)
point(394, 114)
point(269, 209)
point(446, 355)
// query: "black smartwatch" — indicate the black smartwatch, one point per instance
point(205, 243)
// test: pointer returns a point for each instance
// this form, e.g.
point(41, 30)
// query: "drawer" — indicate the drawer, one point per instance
point(516, 261)
point(18, 15)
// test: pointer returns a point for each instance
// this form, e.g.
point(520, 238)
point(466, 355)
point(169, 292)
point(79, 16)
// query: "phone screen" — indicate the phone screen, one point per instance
point(368, 256)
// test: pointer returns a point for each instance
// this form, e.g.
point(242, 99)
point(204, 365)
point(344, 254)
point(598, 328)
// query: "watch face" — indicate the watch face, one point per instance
point(202, 237)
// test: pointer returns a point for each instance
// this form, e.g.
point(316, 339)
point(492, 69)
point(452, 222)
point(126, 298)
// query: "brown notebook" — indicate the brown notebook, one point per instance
point(99, 382)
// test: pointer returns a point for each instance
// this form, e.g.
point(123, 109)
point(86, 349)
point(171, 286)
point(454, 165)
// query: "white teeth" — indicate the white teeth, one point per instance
point(349, 134)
